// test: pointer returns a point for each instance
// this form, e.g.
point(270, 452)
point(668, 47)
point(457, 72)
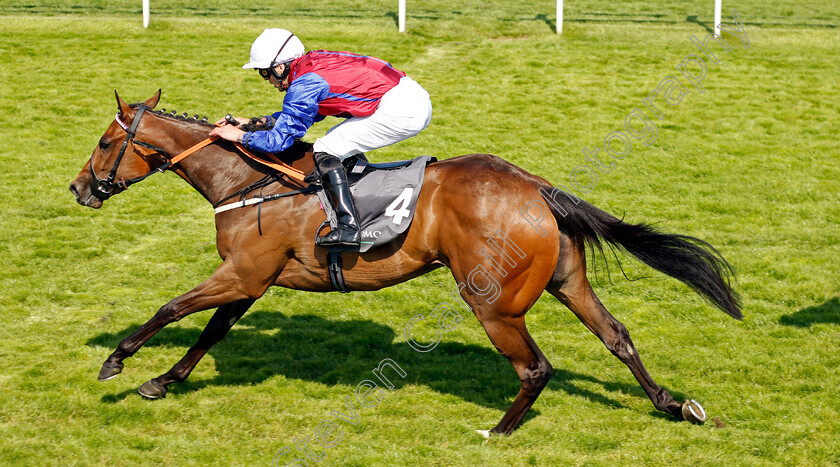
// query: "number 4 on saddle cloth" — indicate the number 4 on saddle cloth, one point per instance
point(385, 195)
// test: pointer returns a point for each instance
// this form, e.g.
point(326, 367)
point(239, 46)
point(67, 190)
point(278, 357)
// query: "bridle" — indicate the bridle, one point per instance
point(104, 188)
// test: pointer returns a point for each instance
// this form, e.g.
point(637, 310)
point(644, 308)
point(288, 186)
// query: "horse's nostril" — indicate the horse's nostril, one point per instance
point(74, 191)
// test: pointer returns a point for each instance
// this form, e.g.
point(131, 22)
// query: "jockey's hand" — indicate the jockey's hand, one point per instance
point(228, 132)
point(239, 121)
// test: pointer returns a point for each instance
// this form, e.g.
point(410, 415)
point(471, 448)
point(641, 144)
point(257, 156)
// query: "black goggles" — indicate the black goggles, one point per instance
point(266, 72)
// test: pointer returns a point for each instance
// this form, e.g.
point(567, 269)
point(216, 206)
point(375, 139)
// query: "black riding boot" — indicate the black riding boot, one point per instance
point(334, 180)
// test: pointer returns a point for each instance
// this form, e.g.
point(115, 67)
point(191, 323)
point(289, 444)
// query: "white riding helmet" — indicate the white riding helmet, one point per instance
point(274, 46)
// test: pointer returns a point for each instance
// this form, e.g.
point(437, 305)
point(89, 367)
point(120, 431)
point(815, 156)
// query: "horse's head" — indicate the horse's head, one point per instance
point(118, 158)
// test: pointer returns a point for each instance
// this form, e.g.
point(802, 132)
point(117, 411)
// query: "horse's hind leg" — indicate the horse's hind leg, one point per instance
point(221, 322)
point(571, 287)
point(512, 340)
point(502, 314)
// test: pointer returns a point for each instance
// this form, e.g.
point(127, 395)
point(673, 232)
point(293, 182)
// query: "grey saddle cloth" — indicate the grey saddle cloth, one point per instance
point(385, 196)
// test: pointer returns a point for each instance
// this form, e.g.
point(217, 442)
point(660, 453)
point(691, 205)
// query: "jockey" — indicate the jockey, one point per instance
point(382, 106)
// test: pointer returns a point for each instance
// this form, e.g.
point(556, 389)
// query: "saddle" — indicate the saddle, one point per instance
point(385, 195)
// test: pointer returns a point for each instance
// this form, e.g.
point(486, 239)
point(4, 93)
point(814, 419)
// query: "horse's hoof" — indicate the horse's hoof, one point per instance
point(151, 389)
point(693, 412)
point(484, 433)
point(110, 370)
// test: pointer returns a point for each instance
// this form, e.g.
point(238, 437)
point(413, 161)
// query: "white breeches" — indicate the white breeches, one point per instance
point(403, 112)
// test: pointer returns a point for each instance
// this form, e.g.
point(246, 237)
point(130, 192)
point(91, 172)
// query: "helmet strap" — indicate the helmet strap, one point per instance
point(280, 76)
point(273, 64)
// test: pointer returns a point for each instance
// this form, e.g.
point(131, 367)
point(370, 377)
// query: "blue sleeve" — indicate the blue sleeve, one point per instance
point(274, 116)
point(300, 111)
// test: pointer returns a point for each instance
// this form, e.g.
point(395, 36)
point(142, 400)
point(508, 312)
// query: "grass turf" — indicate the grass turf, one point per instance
point(749, 165)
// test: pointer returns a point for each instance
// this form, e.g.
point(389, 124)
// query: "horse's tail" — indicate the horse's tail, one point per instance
point(687, 259)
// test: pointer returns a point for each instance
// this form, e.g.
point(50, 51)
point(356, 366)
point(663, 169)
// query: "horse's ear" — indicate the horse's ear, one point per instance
point(121, 104)
point(153, 101)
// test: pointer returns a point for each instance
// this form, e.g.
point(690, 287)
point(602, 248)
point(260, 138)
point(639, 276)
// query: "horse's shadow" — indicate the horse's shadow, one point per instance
point(264, 344)
point(828, 312)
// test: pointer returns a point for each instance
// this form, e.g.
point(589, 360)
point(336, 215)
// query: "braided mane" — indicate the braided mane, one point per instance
point(253, 125)
point(183, 118)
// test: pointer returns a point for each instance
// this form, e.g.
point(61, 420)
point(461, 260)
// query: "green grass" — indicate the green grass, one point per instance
point(750, 166)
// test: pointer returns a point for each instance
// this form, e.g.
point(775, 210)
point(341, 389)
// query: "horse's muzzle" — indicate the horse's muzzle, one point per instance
point(83, 195)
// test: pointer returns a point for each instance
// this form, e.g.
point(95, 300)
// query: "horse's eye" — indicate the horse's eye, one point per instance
point(104, 145)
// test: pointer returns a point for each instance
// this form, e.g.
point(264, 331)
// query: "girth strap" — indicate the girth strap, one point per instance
point(262, 199)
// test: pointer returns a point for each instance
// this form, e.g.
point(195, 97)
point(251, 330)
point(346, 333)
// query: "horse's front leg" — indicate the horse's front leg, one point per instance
point(229, 283)
point(221, 322)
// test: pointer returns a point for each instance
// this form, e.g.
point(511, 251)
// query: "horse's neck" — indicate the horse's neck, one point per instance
point(214, 171)
point(217, 171)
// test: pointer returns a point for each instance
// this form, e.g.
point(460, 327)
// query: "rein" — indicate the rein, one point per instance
point(103, 188)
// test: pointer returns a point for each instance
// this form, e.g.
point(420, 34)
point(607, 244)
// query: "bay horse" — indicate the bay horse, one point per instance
point(465, 201)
